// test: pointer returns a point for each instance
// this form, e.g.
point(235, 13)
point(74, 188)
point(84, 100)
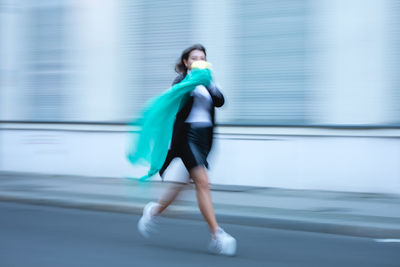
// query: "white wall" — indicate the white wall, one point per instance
point(346, 160)
point(351, 85)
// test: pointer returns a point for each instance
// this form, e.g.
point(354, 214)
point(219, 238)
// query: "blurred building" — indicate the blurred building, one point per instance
point(312, 86)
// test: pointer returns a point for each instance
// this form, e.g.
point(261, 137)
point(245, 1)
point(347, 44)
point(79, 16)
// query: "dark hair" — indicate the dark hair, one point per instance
point(180, 65)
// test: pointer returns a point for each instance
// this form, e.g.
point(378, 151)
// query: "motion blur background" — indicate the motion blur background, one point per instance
point(312, 87)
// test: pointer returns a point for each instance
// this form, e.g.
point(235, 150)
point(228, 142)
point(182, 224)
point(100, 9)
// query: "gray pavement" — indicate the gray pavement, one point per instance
point(355, 214)
point(33, 235)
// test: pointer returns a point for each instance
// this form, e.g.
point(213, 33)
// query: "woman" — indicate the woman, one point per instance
point(191, 141)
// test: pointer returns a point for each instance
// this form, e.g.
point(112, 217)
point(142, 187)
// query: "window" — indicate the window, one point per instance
point(154, 33)
point(272, 51)
point(46, 63)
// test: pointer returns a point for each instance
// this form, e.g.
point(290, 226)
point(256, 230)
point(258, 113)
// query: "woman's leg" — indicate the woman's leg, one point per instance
point(146, 224)
point(173, 190)
point(200, 178)
point(168, 197)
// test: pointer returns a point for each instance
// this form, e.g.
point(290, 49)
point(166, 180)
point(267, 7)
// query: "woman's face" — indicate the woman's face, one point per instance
point(195, 55)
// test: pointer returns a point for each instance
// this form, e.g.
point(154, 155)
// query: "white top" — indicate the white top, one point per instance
point(202, 104)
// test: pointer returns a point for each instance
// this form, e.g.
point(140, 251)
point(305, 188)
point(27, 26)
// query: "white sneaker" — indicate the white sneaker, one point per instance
point(146, 224)
point(223, 243)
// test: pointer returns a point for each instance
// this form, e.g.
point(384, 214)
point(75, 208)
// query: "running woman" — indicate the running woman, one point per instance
point(192, 139)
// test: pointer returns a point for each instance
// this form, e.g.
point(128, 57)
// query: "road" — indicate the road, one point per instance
point(47, 236)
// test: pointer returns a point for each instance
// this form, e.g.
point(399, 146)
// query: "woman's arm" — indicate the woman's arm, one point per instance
point(216, 95)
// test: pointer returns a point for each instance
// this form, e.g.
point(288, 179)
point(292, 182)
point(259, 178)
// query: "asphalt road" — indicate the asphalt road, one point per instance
point(44, 236)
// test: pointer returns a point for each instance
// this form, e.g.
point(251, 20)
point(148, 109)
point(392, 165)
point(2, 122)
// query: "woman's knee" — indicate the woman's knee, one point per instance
point(200, 178)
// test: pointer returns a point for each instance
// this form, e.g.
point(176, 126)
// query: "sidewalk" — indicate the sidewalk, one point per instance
point(355, 214)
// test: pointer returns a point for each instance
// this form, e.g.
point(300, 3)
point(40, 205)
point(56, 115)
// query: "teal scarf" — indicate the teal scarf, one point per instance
point(157, 122)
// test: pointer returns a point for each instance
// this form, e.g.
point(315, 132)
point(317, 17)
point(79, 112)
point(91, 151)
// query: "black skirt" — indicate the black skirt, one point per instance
point(192, 145)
